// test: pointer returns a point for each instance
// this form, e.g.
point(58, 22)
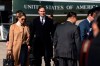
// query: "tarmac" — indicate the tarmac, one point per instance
point(3, 54)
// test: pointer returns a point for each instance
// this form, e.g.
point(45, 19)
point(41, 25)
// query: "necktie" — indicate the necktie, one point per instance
point(42, 21)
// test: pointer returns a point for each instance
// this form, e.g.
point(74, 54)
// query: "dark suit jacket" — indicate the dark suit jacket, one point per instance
point(41, 36)
point(66, 40)
point(85, 29)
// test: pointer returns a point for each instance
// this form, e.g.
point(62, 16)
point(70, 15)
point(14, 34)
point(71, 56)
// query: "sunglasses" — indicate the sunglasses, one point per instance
point(23, 19)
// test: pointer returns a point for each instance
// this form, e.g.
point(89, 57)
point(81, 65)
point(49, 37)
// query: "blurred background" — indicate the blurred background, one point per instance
point(59, 9)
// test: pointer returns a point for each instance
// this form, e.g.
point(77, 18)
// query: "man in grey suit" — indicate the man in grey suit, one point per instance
point(67, 42)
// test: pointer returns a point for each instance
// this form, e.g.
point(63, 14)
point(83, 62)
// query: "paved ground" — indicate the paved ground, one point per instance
point(3, 53)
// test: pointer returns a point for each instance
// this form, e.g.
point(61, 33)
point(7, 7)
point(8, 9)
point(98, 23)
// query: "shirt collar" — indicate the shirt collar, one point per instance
point(70, 21)
point(88, 20)
point(18, 23)
point(42, 17)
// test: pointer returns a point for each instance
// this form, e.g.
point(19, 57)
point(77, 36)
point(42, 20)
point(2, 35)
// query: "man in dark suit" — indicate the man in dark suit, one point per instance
point(67, 42)
point(85, 25)
point(41, 35)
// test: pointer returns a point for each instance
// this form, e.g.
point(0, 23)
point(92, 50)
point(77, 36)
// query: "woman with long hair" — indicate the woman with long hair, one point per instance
point(19, 41)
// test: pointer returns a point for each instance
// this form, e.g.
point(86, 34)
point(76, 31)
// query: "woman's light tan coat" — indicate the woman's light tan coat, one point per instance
point(18, 35)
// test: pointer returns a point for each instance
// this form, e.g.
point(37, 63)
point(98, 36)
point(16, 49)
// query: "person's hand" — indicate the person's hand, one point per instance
point(9, 52)
point(7, 43)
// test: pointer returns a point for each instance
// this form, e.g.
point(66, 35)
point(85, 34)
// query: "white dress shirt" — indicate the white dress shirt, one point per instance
point(42, 19)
